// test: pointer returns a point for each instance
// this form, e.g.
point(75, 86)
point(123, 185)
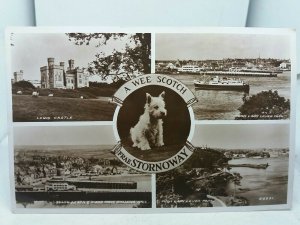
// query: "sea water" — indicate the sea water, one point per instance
point(263, 186)
point(223, 105)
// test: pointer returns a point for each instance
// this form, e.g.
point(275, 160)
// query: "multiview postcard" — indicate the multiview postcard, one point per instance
point(150, 120)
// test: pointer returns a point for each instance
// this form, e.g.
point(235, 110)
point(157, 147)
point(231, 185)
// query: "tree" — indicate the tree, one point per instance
point(93, 160)
point(266, 105)
point(134, 58)
point(24, 84)
point(19, 179)
point(236, 180)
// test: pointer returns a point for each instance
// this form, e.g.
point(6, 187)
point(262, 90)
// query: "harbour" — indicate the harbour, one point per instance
point(224, 104)
point(88, 176)
point(263, 186)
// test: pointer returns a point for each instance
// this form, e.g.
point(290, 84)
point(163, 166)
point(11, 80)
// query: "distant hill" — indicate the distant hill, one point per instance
point(248, 150)
point(83, 151)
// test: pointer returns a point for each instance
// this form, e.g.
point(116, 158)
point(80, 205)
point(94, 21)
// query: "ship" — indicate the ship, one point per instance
point(217, 83)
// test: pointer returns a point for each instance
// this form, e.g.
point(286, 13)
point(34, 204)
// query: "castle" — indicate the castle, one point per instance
point(55, 76)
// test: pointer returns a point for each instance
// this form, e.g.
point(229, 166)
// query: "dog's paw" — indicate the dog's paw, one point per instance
point(145, 147)
point(160, 144)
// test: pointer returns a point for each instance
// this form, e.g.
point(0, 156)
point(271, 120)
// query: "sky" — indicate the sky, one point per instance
point(64, 135)
point(220, 46)
point(30, 51)
point(242, 136)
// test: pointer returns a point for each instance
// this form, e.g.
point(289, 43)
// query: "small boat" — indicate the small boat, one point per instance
point(217, 83)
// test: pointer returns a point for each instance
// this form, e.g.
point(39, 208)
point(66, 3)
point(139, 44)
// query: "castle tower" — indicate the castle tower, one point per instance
point(18, 76)
point(71, 64)
point(62, 65)
point(51, 72)
point(50, 62)
point(52, 76)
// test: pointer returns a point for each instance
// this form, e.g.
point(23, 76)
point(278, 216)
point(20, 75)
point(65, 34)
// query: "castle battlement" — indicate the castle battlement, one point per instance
point(55, 76)
point(18, 76)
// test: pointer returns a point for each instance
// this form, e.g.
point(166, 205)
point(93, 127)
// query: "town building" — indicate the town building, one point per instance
point(55, 76)
point(171, 66)
point(189, 69)
point(285, 66)
point(35, 83)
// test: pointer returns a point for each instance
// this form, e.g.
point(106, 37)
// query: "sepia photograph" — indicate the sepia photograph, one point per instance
point(149, 126)
point(67, 167)
point(227, 170)
point(212, 127)
point(237, 76)
point(72, 76)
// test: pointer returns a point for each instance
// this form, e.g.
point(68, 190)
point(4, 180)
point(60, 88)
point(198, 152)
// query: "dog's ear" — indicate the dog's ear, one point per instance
point(148, 98)
point(162, 95)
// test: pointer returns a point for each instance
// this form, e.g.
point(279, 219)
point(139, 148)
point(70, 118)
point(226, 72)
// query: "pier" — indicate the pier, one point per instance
point(234, 73)
point(255, 166)
point(31, 196)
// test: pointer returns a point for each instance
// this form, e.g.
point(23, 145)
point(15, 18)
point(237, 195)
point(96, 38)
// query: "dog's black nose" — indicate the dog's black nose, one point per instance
point(163, 113)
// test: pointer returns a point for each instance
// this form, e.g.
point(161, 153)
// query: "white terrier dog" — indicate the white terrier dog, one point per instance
point(148, 131)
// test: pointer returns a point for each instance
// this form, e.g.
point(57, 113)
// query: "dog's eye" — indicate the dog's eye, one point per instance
point(156, 107)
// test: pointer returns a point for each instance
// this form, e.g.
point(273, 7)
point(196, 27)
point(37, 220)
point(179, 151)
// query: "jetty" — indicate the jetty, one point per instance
point(255, 166)
point(239, 73)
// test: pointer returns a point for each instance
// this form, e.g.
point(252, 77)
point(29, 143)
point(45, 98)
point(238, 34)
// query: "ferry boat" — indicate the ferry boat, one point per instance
point(217, 83)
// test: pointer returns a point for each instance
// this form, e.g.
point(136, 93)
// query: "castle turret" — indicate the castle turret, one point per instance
point(62, 64)
point(50, 62)
point(71, 64)
point(18, 76)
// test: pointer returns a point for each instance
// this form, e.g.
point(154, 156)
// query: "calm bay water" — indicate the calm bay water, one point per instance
point(270, 183)
point(224, 105)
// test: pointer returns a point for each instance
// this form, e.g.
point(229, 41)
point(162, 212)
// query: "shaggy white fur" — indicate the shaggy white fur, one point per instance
point(148, 132)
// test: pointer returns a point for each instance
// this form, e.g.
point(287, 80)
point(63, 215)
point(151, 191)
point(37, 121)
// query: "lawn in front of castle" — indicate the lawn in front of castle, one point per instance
point(44, 108)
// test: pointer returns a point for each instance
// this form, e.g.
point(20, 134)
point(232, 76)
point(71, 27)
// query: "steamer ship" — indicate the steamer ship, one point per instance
point(217, 83)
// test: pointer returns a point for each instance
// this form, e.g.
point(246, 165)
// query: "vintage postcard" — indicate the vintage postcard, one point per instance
point(230, 73)
point(151, 119)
